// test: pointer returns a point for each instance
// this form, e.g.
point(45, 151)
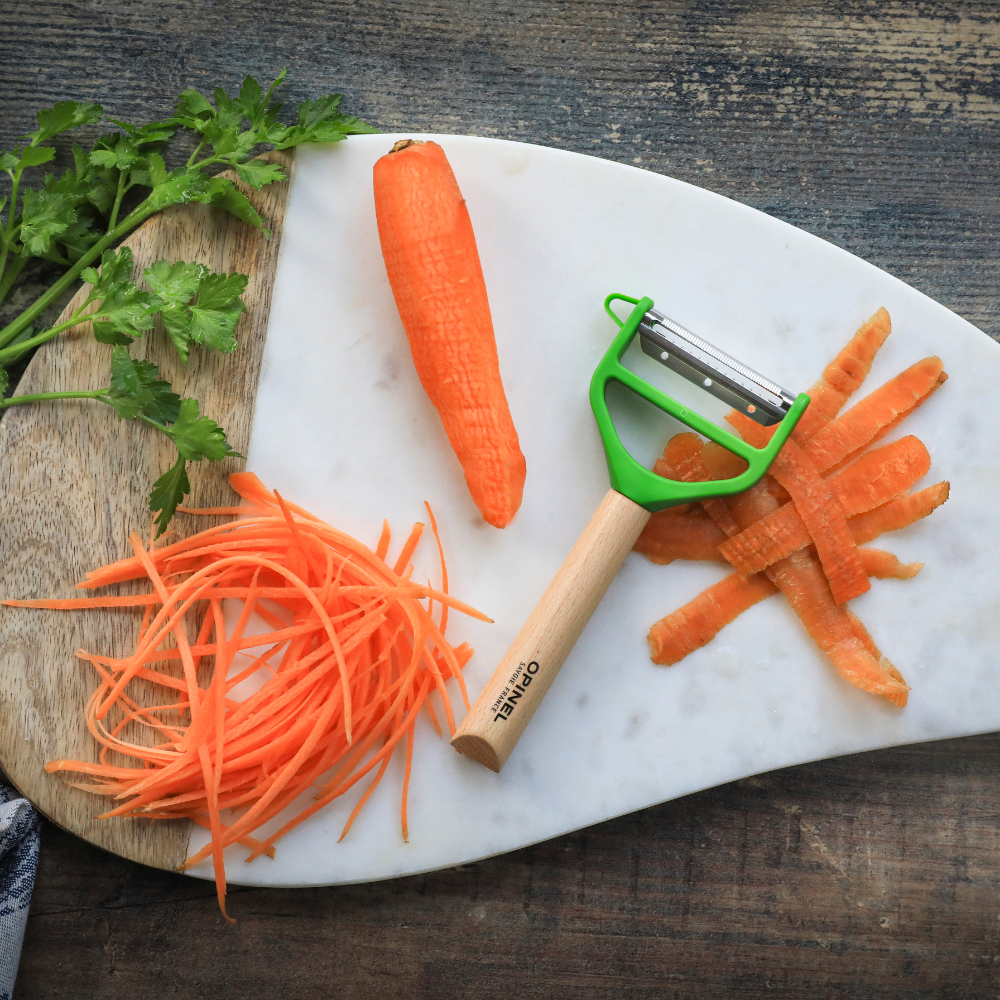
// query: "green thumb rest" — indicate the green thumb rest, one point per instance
point(507, 702)
point(640, 484)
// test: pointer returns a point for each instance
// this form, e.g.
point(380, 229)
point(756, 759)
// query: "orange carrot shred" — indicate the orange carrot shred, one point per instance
point(351, 654)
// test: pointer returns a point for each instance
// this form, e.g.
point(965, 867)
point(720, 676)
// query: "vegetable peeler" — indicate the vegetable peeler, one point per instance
point(505, 706)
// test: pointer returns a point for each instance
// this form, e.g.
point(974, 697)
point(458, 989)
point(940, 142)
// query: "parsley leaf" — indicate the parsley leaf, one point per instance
point(116, 267)
point(174, 284)
point(218, 309)
point(257, 173)
point(4, 380)
point(198, 437)
point(177, 188)
point(79, 237)
point(211, 318)
point(223, 193)
point(125, 311)
point(136, 388)
point(319, 121)
point(62, 117)
point(168, 491)
point(44, 216)
point(35, 156)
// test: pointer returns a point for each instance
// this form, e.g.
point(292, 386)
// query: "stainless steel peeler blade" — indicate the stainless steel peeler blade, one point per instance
point(713, 370)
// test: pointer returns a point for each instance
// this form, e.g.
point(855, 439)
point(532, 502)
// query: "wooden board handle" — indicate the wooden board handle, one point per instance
point(505, 706)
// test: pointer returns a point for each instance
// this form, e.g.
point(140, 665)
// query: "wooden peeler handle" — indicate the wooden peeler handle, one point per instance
point(497, 719)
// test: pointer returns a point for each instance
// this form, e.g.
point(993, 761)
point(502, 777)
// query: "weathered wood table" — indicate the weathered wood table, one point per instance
point(874, 126)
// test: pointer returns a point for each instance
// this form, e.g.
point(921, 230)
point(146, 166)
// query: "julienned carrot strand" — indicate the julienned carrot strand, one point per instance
point(180, 635)
point(352, 645)
point(409, 547)
point(382, 549)
point(443, 622)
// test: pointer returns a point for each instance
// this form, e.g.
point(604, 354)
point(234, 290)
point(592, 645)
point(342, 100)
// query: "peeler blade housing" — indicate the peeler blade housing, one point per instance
point(711, 370)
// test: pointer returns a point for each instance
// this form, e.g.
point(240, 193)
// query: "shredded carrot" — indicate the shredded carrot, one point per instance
point(353, 654)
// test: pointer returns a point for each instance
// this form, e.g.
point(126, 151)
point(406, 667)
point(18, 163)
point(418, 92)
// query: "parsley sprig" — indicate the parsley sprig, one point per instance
point(76, 219)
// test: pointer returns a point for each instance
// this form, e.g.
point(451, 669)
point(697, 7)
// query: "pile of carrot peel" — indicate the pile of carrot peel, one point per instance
point(351, 652)
point(802, 530)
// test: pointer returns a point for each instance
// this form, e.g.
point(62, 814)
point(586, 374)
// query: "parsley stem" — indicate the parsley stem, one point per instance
point(194, 155)
point(11, 275)
point(11, 212)
point(16, 350)
point(37, 397)
point(151, 422)
point(142, 212)
point(122, 177)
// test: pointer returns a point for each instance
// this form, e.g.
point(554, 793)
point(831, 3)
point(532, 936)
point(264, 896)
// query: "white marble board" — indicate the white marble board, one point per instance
point(343, 428)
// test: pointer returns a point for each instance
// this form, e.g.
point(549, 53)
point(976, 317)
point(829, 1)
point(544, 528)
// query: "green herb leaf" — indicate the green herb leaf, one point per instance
point(136, 388)
point(144, 134)
point(9, 162)
point(157, 169)
point(174, 284)
point(249, 101)
point(218, 309)
point(44, 215)
point(168, 491)
point(79, 237)
point(4, 380)
point(179, 188)
point(121, 156)
point(116, 268)
point(199, 437)
point(34, 156)
point(62, 117)
point(256, 173)
point(223, 193)
point(191, 105)
point(211, 319)
point(125, 312)
point(319, 121)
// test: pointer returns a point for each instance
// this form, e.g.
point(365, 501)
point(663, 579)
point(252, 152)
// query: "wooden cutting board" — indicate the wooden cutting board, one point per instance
point(74, 482)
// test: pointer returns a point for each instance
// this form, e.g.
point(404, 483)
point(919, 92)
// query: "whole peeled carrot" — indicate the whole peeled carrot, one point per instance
point(433, 266)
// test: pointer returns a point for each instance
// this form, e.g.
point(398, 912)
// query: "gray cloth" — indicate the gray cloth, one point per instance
point(18, 861)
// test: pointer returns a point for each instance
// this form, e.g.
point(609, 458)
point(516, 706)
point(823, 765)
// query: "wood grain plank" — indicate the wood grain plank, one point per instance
point(870, 876)
point(74, 482)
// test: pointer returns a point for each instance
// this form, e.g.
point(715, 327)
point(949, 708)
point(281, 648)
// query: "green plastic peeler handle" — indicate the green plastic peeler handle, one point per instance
point(638, 483)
